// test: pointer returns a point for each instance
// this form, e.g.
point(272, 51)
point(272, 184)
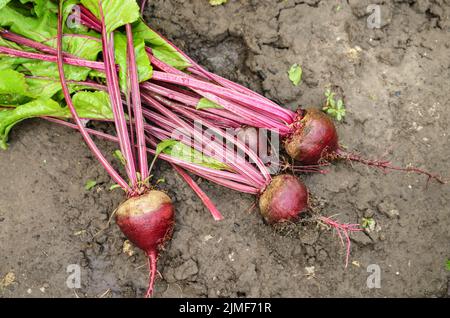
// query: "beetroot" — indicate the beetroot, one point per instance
point(147, 221)
point(314, 142)
point(284, 199)
point(315, 137)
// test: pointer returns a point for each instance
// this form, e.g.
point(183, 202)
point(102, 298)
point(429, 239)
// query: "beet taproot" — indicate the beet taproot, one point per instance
point(147, 221)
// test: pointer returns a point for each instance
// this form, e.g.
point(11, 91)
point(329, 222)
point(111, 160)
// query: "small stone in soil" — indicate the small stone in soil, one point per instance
point(186, 270)
point(361, 239)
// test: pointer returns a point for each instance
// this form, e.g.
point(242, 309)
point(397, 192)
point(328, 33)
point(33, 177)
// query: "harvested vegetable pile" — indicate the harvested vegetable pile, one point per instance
point(112, 67)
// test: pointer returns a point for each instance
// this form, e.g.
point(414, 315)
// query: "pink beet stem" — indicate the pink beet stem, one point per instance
point(116, 100)
point(52, 58)
point(90, 20)
point(176, 88)
point(221, 174)
point(194, 101)
point(89, 84)
point(137, 106)
point(220, 91)
point(253, 99)
point(205, 199)
point(116, 177)
point(174, 76)
point(74, 35)
point(240, 165)
point(228, 83)
point(30, 43)
point(218, 120)
point(233, 176)
point(143, 5)
point(230, 184)
point(225, 135)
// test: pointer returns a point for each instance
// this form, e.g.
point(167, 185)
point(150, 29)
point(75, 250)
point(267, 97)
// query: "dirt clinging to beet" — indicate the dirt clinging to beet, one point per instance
point(315, 137)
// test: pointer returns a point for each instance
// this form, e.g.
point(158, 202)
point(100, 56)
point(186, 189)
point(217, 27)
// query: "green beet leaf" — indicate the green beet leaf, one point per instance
point(179, 150)
point(116, 12)
point(4, 3)
point(92, 105)
point(35, 28)
point(12, 82)
point(145, 70)
point(205, 103)
point(160, 48)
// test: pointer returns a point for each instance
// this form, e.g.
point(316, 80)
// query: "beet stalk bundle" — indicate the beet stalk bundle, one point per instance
point(169, 107)
point(309, 135)
point(168, 98)
point(147, 216)
point(281, 198)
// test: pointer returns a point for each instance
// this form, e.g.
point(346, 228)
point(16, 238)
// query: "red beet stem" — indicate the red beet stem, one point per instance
point(30, 43)
point(247, 151)
point(89, 84)
point(52, 58)
point(190, 81)
point(137, 106)
point(200, 170)
point(90, 20)
point(278, 120)
point(143, 5)
point(256, 118)
point(196, 169)
point(241, 165)
point(231, 85)
point(191, 167)
point(192, 101)
point(205, 199)
point(116, 100)
point(59, 59)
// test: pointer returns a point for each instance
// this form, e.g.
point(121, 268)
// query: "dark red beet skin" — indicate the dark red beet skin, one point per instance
point(147, 221)
point(285, 199)
point(314, 138)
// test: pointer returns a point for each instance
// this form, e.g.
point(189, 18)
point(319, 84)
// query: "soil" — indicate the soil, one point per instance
point(395, 84)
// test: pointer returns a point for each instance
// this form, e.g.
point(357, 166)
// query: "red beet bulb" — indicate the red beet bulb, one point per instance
point(147, 221)
point(314, 138)
point(284, 199)
point(314, 141)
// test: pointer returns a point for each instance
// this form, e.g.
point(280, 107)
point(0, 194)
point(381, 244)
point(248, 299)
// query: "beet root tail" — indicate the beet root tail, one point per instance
point(152, 258)
point(384, 165)
point(343, 230)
